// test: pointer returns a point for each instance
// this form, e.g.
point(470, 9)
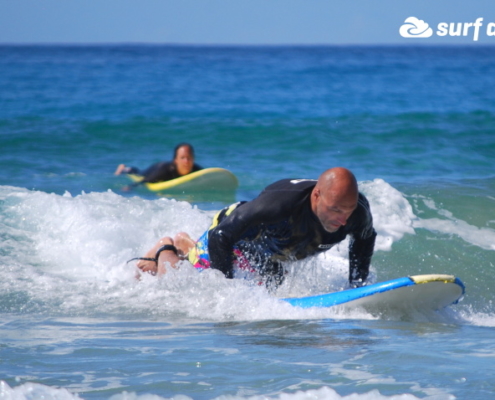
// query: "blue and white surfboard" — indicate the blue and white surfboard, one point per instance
point(428, 292)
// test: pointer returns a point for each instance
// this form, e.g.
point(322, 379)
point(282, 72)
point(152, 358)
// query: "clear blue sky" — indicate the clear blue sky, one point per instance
point(234, 21)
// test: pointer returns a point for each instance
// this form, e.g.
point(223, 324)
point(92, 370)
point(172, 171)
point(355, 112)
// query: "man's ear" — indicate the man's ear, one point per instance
point(315, 194)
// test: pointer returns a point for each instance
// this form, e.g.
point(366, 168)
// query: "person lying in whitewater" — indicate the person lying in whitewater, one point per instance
point(182, 164)
point(289, 220)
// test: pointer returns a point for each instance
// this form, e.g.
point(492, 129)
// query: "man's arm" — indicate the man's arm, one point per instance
point(220, 247)
point(362, 243)
point(360, 253)
point(231, 228)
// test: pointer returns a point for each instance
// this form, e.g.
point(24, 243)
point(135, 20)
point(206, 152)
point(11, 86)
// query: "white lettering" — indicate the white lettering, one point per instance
point(413, 27)
point(465, 30)
point(443, 29)
point(477, 26)
point(455, 31)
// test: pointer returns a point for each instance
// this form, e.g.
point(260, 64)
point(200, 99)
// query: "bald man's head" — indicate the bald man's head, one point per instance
point(334, 198)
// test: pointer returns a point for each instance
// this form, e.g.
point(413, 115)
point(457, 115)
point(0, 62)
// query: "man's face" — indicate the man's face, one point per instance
point(333, 209)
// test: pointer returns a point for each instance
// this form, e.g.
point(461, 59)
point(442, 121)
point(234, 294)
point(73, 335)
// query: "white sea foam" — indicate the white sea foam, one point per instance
point(392, 214)
point(67, 256)
point(479, 318)
point(34, 391)
point(29, 391)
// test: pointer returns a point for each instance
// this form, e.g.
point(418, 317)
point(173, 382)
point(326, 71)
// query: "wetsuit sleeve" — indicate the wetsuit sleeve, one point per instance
point(227, 233)
point(220, 247)
point(360, 253)
point(361, 244)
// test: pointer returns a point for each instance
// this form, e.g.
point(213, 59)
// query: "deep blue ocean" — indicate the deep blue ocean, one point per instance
point(415, 124)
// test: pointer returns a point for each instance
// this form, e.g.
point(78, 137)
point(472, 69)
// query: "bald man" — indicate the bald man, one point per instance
point(289, 220)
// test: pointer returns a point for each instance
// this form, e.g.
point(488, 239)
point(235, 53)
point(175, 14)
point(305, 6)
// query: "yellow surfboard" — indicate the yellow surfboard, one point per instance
point(205, 180)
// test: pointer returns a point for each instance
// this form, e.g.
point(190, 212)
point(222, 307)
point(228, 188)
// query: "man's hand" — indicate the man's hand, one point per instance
point(357, 283)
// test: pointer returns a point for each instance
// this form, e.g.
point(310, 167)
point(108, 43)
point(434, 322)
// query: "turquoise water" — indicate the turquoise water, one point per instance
point(415, 124)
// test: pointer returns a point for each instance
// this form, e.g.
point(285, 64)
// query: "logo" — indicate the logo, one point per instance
point(325, 246)
point(415, 28)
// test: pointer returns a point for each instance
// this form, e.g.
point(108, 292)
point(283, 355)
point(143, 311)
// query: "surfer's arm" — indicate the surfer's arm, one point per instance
point(154, 173)
point(362, 242)
point(243, 223)
point(220, 248)
point(360, 253)
point(230, 229)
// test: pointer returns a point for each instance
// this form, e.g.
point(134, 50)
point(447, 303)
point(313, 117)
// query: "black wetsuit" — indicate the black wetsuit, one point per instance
point(159, 172)
point(279, 225)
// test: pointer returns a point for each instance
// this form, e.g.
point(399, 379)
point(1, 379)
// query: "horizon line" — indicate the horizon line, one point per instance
point(139, 43)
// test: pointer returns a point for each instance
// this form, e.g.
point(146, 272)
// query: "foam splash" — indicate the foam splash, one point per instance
point(29, 391)
point(34, 391)
point(66, 255)
point(392, 214)
point(78, 248)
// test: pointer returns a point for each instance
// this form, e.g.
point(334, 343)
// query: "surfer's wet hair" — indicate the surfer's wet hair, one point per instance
point(176, 149)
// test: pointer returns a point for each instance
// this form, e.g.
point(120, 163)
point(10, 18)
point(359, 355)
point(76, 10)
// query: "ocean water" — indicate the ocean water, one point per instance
point(415, 124)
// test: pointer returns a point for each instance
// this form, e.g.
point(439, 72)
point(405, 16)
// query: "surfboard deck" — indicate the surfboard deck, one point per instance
point(208, 179)
point(422, 292)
